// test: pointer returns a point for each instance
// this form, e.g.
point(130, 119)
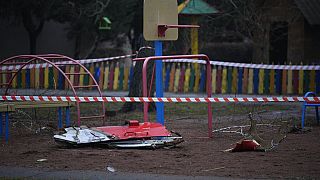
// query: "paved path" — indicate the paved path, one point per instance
point(32, 173)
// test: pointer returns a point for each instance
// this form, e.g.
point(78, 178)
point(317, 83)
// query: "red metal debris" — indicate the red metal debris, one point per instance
point(135, 130)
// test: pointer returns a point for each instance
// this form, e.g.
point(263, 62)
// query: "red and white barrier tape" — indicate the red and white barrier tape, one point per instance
point(245, 65)
point(216, 63)
point(156, 99)
point(63, 63)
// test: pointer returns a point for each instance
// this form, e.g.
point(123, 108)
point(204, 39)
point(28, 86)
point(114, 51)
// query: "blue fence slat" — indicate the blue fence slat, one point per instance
point(60, 81)
point(202, 80)
point(130, 76)
point(28, 78)
point(318, 81)
point(97, 73)
point(278, 81)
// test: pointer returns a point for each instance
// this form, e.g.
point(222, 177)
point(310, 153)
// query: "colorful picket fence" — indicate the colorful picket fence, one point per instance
point(183, 77)
point(179, 77)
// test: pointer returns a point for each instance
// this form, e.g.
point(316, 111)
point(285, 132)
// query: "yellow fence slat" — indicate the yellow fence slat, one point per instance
point(187, 79)
point(214, 80)
point(4, 78)
point(56, 78)
point(224, 80)
point(116, 77)
point(14, 81)
point(300, 81)
point(37, 78)
point(176, 79)
point(234, 86)
point(32, 77)
point(261, 80)
point(92, 72)
point(126, 78)
point(46, 78)
point(106, 77)
point(81, 78)
point(101, 69)
point(66, 84)
point(72, 76)
point(271, 89)
point(245, 80)
point(197, 78)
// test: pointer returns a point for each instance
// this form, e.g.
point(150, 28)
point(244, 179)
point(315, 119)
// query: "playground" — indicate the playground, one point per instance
point(297, 156)
point(191, 115)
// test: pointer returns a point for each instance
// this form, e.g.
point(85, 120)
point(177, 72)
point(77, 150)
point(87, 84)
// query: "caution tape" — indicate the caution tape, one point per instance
point(246, 65)
point(215, 63)
point(159, 99)
point(63, 63)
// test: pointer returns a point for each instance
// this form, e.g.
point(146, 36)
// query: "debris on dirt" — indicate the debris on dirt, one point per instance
point(214, 169)
point(134, 135)
point(42, 160)
point(111, 169)
point(253, 142)
point(245, 145)
point(299, 130)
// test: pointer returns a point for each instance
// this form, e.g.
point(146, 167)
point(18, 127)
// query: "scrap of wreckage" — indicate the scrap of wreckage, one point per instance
point(134, 135)
point(154, 135)
point(253, 142)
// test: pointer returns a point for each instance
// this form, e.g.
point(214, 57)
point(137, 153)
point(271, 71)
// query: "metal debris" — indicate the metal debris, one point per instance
point(135, 135)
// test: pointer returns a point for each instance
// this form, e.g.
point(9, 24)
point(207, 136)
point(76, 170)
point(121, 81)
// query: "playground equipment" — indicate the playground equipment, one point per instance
point(134, 135)
point(208, 84)
point(5, 108)
point(160, 22)
point(8, 107)
point(55, 61)
point(312, 104)
point(194, 9)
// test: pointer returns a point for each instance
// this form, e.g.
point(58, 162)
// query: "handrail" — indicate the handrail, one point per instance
point(208, 84)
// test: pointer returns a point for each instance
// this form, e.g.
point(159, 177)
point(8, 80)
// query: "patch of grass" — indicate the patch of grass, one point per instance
point(172, 111)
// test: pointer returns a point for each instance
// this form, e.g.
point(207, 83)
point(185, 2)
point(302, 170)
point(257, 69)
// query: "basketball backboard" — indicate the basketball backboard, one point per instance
point(160, 12)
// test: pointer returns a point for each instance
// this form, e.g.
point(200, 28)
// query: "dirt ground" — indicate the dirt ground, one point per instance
point(298, 156)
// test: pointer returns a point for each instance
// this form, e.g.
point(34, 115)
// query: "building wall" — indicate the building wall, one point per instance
point(312, 44)
point(282, 11)
point(296, 38)
point(52, 39)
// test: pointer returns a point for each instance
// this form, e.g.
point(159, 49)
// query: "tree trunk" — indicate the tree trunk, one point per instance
point(94, 46)
point(77, 47)
point(32, 28)
point(136, 83)
point(32, 43)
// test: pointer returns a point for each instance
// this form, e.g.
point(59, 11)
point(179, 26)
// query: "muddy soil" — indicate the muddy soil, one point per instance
point(298, 156)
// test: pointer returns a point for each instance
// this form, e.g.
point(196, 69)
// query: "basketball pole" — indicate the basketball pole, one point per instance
point(159, 82)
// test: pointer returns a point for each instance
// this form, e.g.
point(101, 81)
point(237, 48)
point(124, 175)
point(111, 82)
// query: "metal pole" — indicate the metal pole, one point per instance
point(1, 124)
point(68, 117)
point(59, 118)
point(159, 82)
point(7, 126)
